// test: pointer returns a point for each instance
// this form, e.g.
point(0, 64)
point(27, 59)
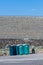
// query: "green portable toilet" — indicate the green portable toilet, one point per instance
point(26, 48)
point(17, 49)
point(21, 52)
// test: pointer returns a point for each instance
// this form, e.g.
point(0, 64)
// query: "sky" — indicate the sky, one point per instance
point(21, 7)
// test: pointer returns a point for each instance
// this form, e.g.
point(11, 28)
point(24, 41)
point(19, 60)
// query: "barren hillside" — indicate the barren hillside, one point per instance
point(21, 27)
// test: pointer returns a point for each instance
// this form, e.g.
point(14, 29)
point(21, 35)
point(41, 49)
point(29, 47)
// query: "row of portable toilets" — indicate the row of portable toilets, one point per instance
point(20, 49)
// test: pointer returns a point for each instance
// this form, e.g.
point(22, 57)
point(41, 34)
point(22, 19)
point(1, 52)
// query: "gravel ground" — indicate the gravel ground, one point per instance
point(38, 62)
point(35, 59)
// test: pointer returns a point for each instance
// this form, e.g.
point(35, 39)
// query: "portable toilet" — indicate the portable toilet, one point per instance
point(14, 50)
point(11, 50)
point(26, 48)
point(17, 49)
point(21, 52)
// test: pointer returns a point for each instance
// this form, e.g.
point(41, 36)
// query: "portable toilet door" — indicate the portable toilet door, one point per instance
point(26, 48)
point(17, 49)
point(14, 50)
point(21, 52)
point(11, 50)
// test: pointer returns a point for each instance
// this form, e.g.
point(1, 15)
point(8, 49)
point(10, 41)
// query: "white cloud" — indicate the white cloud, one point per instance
point(34, 9)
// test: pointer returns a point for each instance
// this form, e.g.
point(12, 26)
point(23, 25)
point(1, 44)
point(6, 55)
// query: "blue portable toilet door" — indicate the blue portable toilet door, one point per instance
point(21, 52)
point(11, 50)
point(17, 49)
point(14, 50)
point(26, 48)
